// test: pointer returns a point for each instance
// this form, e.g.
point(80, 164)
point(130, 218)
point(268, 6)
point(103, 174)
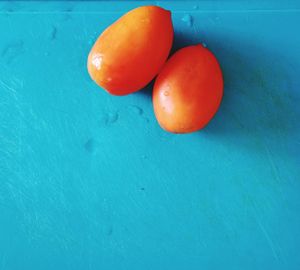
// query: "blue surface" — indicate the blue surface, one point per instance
point(90, 181)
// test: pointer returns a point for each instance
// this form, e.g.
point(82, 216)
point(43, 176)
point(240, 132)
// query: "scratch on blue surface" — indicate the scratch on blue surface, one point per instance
point(12, 51)
point(18, 82)
point(272, 163)
point(265, 233)
point(268, 238)
point(7, 87)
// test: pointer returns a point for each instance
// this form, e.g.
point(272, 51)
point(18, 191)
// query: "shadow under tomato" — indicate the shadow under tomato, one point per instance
point(147, 91)
point(259, 106)
point(260, 98)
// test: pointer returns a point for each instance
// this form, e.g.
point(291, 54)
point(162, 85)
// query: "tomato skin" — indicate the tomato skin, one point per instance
point(131, 51)
point(188, 91)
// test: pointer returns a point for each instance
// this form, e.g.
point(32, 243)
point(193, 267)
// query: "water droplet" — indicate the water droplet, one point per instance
point(110, 230)
point(109, 79)
point(166, 93)
point(188, 19)
point(142, 188)
point(195, 7)
point(204, 44)
point(53, 33)
point(90, 145)
point(111, 118)
point(91, 41)
point(144, 157)
point(108, 119)
point(136, 109)
point(146, 119)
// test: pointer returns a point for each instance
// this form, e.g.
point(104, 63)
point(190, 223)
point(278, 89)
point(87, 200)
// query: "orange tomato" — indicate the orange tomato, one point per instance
point(188, 91)
point(130, 52)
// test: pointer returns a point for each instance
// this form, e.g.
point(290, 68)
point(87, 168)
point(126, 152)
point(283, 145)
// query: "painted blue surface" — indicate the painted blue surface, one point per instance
point(90, 181)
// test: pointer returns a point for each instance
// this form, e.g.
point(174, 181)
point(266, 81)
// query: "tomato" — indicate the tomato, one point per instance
point(188, 91)
point(130, 52)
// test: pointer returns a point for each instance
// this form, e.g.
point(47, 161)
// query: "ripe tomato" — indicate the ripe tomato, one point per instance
point(130, 52)
point(188, 91)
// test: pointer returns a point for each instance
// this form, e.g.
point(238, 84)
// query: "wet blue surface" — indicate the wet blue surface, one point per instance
point(90, 181)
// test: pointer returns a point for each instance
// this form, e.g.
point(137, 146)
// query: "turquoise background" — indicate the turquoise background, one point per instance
point(90, 181)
